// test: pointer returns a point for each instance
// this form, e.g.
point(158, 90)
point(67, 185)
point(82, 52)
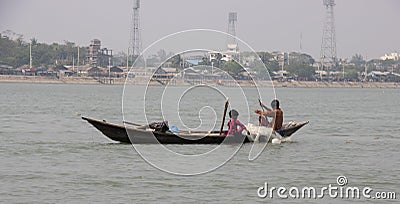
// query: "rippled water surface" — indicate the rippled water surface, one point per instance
point(48, 154)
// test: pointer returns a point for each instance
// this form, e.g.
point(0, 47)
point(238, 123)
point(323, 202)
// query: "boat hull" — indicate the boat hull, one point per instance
point(138, 135)
point(133, 135)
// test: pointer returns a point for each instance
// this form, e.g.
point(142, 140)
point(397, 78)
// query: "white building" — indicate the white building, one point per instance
point(391, 56)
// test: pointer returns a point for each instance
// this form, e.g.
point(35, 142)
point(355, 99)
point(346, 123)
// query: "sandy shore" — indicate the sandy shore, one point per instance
point(144, 81)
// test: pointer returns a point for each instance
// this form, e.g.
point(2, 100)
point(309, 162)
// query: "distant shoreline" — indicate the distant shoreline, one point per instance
point(144, 81)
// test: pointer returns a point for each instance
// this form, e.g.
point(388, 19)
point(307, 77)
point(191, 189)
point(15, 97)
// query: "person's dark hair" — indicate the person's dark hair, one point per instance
point(275, 104)
point(233, 112)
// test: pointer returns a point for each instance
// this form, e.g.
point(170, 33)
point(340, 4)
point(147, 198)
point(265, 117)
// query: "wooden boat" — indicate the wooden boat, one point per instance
point(140, 134)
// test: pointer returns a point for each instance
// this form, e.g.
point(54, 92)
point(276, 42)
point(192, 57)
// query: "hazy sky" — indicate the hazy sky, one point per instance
point(368, 27)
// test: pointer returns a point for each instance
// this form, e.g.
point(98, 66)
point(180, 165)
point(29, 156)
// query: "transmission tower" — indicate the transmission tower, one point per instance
point(231, 41)
point(328, 47)
point(135, 44)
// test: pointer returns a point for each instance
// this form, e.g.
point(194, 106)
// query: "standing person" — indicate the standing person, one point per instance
point(234, 123)
point(275, 113)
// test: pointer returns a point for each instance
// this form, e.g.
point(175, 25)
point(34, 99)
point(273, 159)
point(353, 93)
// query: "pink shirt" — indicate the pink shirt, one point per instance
point(232, 124)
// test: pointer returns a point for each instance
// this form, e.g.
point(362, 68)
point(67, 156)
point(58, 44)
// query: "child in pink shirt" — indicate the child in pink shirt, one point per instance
point(235, 126)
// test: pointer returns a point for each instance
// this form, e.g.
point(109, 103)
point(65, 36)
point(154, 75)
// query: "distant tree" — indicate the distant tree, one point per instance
point(15, 52)
point(162, 55)
point(269, 61)
point(357, 60)
point(305, 58)
point(233, 68)
point(217, 62)
point(300, 65)
point(388, 62)
point(352, 74)
point(176, 61)
point(301, 69)
point(34, 41)
point(265, 56)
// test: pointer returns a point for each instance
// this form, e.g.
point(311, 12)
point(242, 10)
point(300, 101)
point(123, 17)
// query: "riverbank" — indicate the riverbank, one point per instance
point(145, 80)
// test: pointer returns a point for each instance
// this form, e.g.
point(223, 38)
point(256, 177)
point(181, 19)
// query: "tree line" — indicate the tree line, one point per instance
point(15, 52)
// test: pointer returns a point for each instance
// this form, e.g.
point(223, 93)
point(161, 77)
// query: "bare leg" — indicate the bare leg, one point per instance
point(263, 121)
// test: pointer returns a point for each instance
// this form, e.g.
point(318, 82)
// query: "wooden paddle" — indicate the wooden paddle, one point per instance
point(259, 119)
point(223, 116)
point(262, 107)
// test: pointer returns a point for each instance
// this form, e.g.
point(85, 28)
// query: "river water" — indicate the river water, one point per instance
point(49, 155)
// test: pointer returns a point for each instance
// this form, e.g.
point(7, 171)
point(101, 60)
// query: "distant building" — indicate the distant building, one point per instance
point(96, 55)
point(6, 69)
point(391, 56)
point(93, 50)
point(223, 56)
